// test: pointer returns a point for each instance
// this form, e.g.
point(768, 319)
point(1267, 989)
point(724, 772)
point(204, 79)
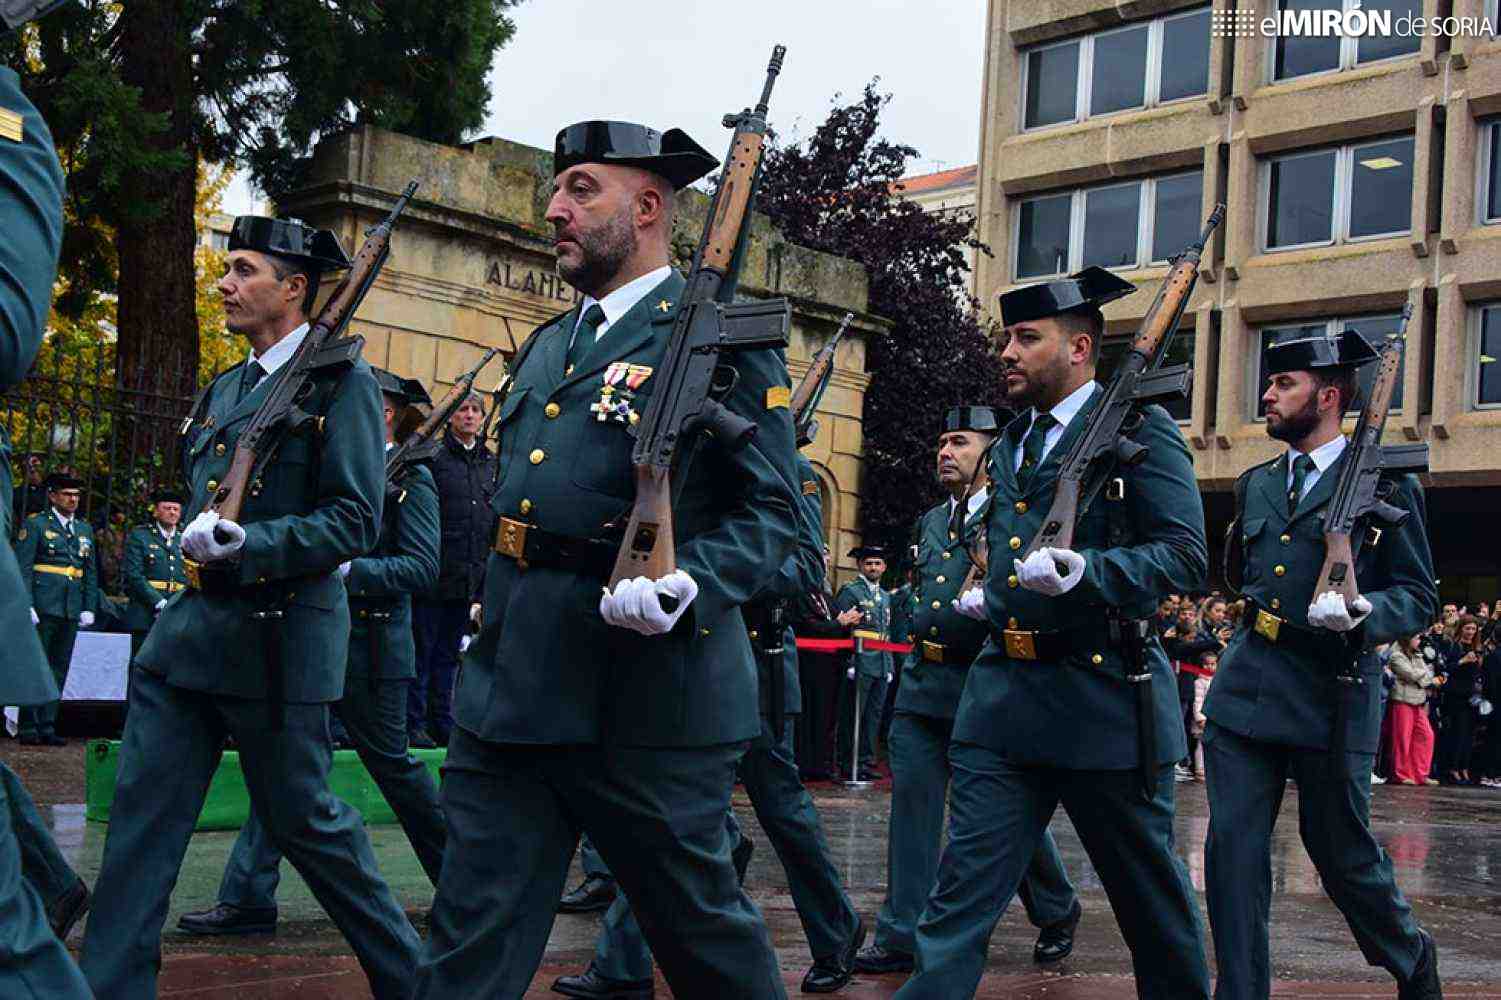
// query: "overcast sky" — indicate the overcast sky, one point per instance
point(685, 63)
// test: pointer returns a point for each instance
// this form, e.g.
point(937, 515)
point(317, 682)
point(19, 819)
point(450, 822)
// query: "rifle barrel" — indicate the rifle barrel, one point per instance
point(772, 70)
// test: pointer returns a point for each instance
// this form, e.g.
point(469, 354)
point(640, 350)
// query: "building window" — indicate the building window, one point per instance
point(218, 241)
point(1488, 349)
point(1112, 225)
point(1140, 65)
point(1305, 49)
point(1489, 173)
point(1328, 196)
point(1375, 329)
point(1180, 351)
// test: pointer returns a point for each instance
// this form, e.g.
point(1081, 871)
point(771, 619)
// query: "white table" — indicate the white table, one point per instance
point(97, 671)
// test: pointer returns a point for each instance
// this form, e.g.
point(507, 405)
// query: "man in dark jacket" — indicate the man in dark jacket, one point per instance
point(464, 470)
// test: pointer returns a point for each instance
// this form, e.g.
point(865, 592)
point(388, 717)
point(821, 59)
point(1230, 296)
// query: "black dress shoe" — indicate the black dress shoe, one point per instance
point(593, 986)
point(66, 909)
point(594, 893)
point(1423, 984)
point(1056, 942)
point(224, 919)
point(834, 972)
point(741, 856)
point(418, 739)
point(877, 960)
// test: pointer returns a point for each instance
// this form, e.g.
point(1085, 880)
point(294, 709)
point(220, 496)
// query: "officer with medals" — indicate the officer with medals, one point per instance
point(944, 644)
point(622, 967)
point(869, 671)
point(60, 571)
point(152, 568)
point(257, 650)
point(1048, 716)
point(1272, 708)
point(620, 713)
point(382, 663)
point(37, 914)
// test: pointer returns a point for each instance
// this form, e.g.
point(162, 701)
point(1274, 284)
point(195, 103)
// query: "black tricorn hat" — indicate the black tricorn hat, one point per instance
point(672, 154)
point(971, 418)
point(62, 481)
point(1093, 286)
point(318, 248)
point(867, 552)
point(167, 495)
point(408, 390)
point(1299, 351)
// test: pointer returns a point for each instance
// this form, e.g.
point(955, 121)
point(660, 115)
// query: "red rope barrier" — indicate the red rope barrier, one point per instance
point(840, 645)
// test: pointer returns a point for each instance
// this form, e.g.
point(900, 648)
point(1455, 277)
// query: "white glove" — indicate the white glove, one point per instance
point(35, 618)
point(1329, 611)
point(86, 618)
point(636, 604)
point(1039, 571)
point(475, 610)
point(464, 642)
point(160, 604)
point(344, 570)
point(850, 673)
point(888, 678)
point(199, 542)
point(971, 603)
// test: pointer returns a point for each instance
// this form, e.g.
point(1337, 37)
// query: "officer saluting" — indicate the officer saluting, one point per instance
point(152, 567)
point(59, 569)
point(620, 715)
point(868, 670)
point(261, 654)
point(944, 644)
point(1047, 716)
point(1272, 707)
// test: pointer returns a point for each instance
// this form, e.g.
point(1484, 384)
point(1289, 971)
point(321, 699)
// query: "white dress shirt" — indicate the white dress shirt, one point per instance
point(974, 503)
point(622, 300)
point(1064, 412)
point(1323, 456)
point(278, 353)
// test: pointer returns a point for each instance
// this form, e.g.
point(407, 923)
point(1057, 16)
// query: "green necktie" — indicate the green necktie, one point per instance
point(250, 378)
point(1302, 466)
point(1032, 447)
point(584, 334)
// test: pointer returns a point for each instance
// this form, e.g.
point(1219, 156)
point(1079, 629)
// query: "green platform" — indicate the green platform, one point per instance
point(228, 804)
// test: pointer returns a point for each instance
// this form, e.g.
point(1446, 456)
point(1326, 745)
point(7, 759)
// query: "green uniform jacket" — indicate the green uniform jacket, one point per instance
point(405, 562)
point(901, 613)
point(931, 687)
point(876, 603)
point(152, 571)
point(31, 203)
point(43, 545)
point(318, 505)
point(1075, 713)
point(546, 668)
point(1281, 694)
point(799, 573)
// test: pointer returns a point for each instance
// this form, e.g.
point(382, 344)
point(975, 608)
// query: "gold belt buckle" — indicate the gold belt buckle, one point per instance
point(190, 570)
point(932, 651)
point(510, 540)
point(1268, 625)
point(1021, 644)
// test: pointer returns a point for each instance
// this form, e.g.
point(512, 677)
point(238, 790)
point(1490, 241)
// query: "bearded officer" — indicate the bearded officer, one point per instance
point(1048, 716)
point(611, 715)
point(944, 644)
point(152, 568)
point(37, 965)
point(1272, 707)
point(869, 671)
point(60, 570)
point(257, 649)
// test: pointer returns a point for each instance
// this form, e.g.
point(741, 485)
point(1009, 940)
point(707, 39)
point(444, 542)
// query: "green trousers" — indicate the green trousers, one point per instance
point(58, 636)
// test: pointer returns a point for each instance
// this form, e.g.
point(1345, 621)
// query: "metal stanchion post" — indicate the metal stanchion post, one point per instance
point(854, 779)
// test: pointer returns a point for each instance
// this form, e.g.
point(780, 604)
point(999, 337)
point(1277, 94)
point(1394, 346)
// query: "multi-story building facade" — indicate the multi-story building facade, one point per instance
point(945, 192)
point(1360, 174)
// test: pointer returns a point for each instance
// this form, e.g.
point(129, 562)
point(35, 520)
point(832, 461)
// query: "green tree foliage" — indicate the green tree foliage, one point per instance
point(839, 192)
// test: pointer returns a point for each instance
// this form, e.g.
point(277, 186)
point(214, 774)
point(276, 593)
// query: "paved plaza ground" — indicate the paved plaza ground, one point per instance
point(1445, 842)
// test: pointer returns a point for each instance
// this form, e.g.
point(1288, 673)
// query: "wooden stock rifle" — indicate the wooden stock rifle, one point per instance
point(687, 402)
point(809, 392)
point(421, 443)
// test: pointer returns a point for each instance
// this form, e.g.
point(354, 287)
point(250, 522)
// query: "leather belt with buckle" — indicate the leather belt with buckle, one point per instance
point(1267, 625)
point(932, 652)
point(1318, 643)
point(170, 586)
point(1039, 644)
point(71, 572)
point(530, 546)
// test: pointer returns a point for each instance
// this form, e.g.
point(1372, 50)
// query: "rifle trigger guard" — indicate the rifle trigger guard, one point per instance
point(726, 377)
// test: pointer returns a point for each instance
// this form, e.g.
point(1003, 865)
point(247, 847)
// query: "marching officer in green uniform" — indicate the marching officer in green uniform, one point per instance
point(1048, 716)
point(622, 967)
point(60, 571)
point(382, 662)
point(1272, 709)
point(153, 569)
point(944, 644)
point(868, 671)
point(257, 648)
point(37, 965)
point(611, 714)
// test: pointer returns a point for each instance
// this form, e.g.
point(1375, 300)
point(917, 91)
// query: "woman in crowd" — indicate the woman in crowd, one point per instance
point(1461, 685)
point(1412, 736)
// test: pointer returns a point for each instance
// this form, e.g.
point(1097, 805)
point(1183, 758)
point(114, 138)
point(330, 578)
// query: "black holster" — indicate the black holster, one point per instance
point(1130, 636)
point(271, 619)
point(768, 620)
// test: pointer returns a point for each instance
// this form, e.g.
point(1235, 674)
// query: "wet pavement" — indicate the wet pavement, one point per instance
point(1445, 843)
